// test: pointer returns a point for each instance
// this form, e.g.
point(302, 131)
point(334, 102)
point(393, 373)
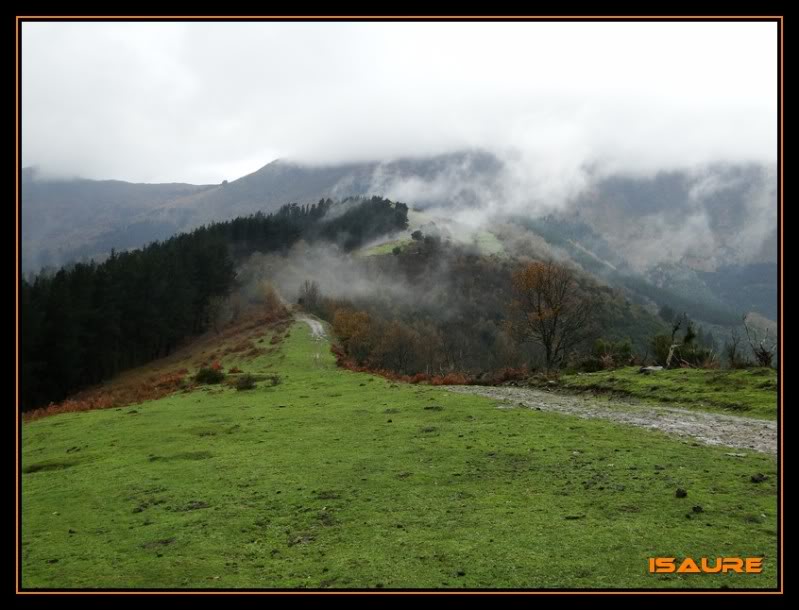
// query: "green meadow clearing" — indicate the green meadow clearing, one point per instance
point(745, 392)
point(334, 479)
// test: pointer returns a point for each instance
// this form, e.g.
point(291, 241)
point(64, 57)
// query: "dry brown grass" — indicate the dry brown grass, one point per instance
point(167, 375)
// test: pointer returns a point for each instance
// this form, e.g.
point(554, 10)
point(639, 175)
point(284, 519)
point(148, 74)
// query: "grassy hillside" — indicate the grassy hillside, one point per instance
point(488, 243)
point(384, 248)
point(340, 479)
point(750, 392)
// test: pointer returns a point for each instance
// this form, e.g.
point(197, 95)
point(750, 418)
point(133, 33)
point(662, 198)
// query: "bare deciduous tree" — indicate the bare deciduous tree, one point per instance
point(396, 347)
point(762, 347)
point(676, 324)
point(732, 349)
point(549, 308)
point(310, 296)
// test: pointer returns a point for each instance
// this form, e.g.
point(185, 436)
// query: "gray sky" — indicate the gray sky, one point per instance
point(203, 102)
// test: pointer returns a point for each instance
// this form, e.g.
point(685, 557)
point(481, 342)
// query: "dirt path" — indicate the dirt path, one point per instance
point(317, 330)
point(708, 428)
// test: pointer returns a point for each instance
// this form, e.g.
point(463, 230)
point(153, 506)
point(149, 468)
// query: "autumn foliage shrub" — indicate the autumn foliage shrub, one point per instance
point(345, 362)
point(100, 398)
point(451, 379)
point(510, 374)
point(209, 375)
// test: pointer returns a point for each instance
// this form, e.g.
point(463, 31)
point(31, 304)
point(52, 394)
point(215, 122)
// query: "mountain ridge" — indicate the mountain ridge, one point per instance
point(693, 223)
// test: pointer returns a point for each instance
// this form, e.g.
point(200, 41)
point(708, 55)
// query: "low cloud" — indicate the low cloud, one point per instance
point(203, 102)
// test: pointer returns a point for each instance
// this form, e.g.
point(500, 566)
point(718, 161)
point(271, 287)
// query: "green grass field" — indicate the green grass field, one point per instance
point(488, 243)
point(386, 248)
point(334, 479)
point(749, 392)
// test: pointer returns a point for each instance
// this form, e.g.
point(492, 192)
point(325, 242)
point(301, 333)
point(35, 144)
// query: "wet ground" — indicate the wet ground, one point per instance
point(707, 428)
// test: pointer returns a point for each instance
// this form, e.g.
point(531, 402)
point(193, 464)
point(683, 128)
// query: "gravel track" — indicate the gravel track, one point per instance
point(708, 428)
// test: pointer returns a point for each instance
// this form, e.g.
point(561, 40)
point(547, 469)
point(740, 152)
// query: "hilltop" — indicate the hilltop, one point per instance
point(701, 239)
point(335, 479)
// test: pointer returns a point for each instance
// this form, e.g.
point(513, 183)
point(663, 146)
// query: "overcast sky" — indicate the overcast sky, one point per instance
point(203, 102)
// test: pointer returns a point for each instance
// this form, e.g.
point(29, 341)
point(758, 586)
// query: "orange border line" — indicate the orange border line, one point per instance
point(17, 229)
point(419, 18)
point(781, 152)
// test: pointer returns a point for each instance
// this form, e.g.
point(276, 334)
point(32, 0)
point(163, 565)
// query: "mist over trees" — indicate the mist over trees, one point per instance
point(434, 307)
point(431, 306)
point(88, 322)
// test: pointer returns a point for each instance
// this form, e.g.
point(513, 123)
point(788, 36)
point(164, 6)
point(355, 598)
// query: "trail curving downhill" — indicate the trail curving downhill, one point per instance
point(708, 428)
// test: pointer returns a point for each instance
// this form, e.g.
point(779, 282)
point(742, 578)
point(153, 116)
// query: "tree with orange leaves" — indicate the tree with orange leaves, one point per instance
point(549, 308)
point(353, 328)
